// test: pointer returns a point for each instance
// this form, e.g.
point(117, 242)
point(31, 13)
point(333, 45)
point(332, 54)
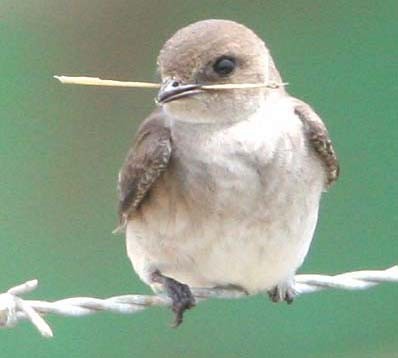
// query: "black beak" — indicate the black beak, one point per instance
point(172, 90)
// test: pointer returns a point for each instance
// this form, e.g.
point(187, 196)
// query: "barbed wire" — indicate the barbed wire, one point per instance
point(13, 308)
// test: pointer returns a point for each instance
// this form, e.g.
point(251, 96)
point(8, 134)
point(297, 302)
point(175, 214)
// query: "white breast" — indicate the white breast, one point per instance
point(238, 205)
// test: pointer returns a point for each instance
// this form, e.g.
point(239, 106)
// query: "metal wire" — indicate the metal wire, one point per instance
point(13, 308)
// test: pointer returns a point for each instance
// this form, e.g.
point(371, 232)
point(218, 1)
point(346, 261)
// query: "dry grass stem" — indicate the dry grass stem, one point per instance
point(95, 81)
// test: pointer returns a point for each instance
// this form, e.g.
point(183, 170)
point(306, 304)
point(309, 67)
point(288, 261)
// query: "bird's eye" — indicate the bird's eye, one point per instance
point(224, 65)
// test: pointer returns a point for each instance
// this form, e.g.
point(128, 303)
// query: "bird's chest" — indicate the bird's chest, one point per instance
point(223, 172)
point(249, 167)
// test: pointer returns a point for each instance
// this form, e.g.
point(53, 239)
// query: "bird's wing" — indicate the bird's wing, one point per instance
point(318, 137)
point(146, 161)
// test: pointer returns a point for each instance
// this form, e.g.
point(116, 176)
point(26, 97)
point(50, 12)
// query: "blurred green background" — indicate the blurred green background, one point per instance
point(61, 148)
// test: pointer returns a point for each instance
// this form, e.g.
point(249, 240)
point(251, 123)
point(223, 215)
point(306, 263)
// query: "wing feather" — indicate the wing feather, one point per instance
point(318, 137)
point(145, 162)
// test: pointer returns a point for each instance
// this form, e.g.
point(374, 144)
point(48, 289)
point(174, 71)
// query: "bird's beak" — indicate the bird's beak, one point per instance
point(172, 90)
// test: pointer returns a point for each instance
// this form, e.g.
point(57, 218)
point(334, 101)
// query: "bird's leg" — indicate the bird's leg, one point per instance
point(283, 292)
point(179, 293)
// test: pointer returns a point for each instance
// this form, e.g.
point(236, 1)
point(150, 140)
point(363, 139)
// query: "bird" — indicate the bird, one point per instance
point(221, 187)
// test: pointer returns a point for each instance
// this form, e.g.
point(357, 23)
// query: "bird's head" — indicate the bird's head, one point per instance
point(213, 52)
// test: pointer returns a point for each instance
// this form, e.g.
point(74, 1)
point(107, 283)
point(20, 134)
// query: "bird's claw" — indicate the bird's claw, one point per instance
point(180, 294)
point(282, 293)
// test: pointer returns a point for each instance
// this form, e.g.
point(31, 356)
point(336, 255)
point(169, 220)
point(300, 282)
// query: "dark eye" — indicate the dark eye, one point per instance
point(224, 65)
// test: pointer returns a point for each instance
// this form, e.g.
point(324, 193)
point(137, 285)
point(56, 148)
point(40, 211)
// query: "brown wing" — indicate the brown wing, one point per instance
point(146, 161)
point(319, 139)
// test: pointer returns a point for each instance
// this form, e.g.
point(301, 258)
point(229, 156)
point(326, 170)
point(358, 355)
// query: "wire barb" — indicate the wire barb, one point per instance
point(13, 308)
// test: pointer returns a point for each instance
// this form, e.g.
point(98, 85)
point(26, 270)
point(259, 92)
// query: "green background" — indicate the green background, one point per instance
point(61, 148)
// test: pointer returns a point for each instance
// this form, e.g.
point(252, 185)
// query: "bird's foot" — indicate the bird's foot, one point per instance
point(180, 294)
point(282, 292)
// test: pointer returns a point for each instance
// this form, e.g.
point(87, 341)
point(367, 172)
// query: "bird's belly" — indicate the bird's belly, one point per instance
point(256, 256)
point(238, 233)
point(246, 254)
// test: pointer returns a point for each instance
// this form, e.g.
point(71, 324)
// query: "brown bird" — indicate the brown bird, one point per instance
point(222, 187)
